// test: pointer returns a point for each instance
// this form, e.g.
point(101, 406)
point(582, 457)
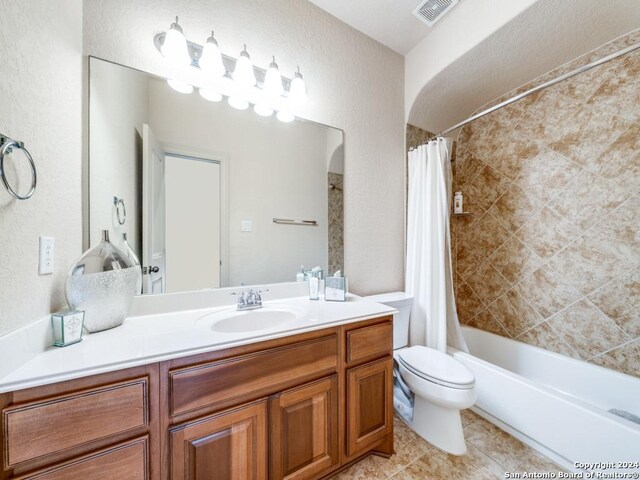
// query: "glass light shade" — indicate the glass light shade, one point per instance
point(263, 110)
point(180, 86)
point(210, 94)
point(211, 59)
point(238, 103)
point(174, 49)
point(272, 86)
point(285, 117)
point(297, 90)
point(243, 73)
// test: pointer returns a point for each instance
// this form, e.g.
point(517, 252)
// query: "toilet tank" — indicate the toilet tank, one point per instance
point(402, 302)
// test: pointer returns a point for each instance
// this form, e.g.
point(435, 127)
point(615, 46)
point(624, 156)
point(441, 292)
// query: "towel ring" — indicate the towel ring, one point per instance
point(8, 146)
point(121, 217)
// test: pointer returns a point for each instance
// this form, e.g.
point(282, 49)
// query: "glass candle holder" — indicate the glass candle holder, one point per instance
point(67, 327)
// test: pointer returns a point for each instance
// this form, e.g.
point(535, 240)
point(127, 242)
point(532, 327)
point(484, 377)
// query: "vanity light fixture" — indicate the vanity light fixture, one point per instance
point(217, 75)
point(210, 94)
point(297, 91)
point(175, 49)
point(273, 81)
point(243, 74)
point(180, 86)
point(238, 103)
point(211, 59)
point(263, 110)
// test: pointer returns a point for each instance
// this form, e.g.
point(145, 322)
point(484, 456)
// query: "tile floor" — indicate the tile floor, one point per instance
point(491, 453)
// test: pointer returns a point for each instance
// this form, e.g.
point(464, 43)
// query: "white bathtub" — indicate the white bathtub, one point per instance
point(554, 403)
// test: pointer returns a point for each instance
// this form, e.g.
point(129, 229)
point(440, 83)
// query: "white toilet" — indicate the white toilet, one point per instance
point(431, 387)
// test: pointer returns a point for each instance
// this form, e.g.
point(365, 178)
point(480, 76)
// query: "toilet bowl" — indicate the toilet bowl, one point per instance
point(431, 387)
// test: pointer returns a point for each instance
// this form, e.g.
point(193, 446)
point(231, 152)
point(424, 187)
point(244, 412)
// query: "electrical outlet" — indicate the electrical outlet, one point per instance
point(47, 253)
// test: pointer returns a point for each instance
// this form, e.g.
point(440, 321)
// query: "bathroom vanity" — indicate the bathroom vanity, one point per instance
point(300, 400)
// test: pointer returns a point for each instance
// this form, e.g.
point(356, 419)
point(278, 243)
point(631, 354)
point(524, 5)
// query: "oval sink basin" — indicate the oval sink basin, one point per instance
point(264, 318)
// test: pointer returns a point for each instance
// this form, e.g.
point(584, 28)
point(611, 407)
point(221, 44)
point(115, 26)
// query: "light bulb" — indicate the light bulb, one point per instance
point(238, 103)
point(273, 81)
point(180, 86)
point(210, 94)
point(174, 49)
point(297, 90)
point(285, 117)
point(243, 74)
point(262, 110)
point(211, 59)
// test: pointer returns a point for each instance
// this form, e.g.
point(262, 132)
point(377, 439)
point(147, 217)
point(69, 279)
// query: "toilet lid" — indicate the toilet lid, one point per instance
point(437, 367)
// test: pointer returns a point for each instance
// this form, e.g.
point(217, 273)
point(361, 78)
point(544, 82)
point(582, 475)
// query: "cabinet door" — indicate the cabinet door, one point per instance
point(231, 445)
point(369, 405)
point(304, 430)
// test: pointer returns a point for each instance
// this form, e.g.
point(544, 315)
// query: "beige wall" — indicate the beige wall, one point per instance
point(40, 88)
point(551, 254)
point(354, 83)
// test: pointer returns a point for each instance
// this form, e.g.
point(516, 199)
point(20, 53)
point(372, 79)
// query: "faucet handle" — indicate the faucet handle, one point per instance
point(258, 296)
point(241, 297)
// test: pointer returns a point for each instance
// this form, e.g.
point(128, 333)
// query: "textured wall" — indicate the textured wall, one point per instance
point(551, 254)
point(354, 83)
point(40, 88)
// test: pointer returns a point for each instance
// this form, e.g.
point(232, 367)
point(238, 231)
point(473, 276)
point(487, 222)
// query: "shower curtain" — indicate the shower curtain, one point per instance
point(429, 279)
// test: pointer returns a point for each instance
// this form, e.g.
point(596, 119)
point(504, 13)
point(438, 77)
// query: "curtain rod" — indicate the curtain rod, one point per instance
point(542, 86)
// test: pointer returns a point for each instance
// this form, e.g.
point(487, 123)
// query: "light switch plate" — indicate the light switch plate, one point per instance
point(246, 226)
point(47, 253)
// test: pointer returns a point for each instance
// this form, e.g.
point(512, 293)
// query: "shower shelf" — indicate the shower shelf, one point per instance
point(463, 214)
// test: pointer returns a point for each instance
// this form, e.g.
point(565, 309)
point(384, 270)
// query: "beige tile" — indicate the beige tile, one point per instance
point(437, 465)
point(497, 444)
point(544, 336)
point(514, 208)
point(366, 469)
point(514, 260)
point(620, 94)
point(589, 133)
point(468, 416)
point(619, 297)
point(546, 232)
point(487, 283)
point(486, 187)
point(629, 322)
point(587, 330)
point(514, 313)
point(623, 359)
point(535, 462)
point(409, 446)
point(468, 304)
point(547, 291)
point(590, 262)
point(548, 113)
point(621, 231)
point(486, 235)
point(485, 321)
point(588, 198)
point(621, 161)
point(513, 154)
point(546, 174)
point(466, 167)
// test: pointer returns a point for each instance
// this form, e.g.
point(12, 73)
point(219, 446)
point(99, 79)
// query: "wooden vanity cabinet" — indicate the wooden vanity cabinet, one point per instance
point(300, 407)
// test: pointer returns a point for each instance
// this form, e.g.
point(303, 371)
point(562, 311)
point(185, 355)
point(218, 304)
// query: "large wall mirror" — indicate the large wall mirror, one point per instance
point(205, 193)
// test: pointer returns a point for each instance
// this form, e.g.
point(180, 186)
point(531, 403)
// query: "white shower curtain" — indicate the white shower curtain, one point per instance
point(434, 321)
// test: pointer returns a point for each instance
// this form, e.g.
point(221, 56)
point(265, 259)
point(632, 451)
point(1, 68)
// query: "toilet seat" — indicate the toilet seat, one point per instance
point(436, 367)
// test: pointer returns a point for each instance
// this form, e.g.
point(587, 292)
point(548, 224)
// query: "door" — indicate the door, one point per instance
point(153, 213)
point(369, 405)
point(193, 223)
point(228, 446)
point(304, 430)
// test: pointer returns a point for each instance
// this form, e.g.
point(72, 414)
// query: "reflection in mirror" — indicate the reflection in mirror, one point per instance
point(202, 184)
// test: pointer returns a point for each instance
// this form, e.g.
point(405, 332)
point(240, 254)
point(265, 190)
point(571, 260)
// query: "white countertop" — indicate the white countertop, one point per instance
point(145, 339)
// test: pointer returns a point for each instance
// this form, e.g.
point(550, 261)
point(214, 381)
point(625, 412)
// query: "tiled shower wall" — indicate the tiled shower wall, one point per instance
point(336, 222)
point(551, 254)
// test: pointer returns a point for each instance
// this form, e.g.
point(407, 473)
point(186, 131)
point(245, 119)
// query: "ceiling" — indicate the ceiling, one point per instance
point(390, 22)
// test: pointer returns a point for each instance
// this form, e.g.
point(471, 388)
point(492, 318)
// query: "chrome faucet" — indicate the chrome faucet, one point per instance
point(249, 300)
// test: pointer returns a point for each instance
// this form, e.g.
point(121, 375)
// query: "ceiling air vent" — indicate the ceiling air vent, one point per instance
point(430, 11)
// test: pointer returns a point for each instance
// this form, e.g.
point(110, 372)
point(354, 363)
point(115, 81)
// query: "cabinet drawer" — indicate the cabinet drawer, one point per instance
point(125, 460)
point(238, 379)
point(369, 343)
point(52, 425)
